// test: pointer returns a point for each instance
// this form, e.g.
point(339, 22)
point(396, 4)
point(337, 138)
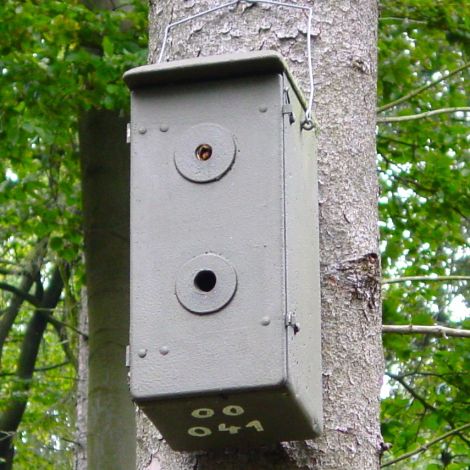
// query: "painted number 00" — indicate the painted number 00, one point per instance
point(231, 410)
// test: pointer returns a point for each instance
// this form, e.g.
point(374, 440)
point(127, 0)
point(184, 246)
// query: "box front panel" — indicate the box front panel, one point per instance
point(207, 272)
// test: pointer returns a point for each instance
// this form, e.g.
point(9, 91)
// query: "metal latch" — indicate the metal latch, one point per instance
point(287, 106)
point(291, 322)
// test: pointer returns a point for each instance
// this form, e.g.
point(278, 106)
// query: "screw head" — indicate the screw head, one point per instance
point(142, 352)
point(263, 108)
point(164, 350)
point(265, 321)
point(142, 130)
point(164, 127)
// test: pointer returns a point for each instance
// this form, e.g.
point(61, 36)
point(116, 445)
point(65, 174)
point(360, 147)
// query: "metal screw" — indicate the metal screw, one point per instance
point(164, 350)
point(265, 321)
point(142, 352)
point(263, 109)
point(164, 127)
point(142, 130)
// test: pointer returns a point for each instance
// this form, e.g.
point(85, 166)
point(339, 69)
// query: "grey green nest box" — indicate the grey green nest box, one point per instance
point(225, 289)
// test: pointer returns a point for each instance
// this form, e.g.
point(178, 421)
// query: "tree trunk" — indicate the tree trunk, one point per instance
point(82, 387)
point(344, 52)
point(105, 179)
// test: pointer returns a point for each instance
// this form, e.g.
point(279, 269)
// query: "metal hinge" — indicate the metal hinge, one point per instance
point(128, 133)
point(128, 356)
point(291, 322)
point(287, 106)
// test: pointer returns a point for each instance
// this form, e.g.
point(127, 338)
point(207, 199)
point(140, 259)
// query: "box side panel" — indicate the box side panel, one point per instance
point(303, 264)
point(238, 218)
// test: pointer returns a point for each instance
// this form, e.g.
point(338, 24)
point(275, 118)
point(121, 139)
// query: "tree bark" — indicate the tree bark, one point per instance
point(344, 52)
point(105, 180)
point(82, 387)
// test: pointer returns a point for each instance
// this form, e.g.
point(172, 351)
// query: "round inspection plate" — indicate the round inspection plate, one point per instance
point(206, 283)
point(205, 152)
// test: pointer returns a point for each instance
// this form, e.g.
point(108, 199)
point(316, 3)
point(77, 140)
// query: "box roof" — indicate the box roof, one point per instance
point(210, 68)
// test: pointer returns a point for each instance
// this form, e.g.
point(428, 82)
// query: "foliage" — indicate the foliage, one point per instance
point(58, 59)
point(425, 210)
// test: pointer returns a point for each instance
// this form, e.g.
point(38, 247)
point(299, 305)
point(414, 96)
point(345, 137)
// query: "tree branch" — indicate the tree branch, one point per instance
point(31, 271)
point(426, 330)
point(38, 369)
point(395, 280)
point(12, 414)
point(64, 342)
point(412, 392)
point(421, 89)
point(402, 18)
point(426, 446)
point(59, 324)
point(425, 404)
point(412, 117)
point(20, 293)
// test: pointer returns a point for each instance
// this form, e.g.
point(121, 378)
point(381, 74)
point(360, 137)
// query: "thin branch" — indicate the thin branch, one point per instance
point(395, 280)
point(418, 186)
point(437, 330)
point(402, 18)
point(412, 117)
point(59, 324)
point(9, 262)
point(51, 367)
point(430, 374)
point(412, 392)
point(6, 435)
point(426, 446)
point(71, 441)
point(38, 369)
point(396, 141)
point(421, 89)
point(12, 272)
point(20, 293)
point(64, 342)
point(425, 404)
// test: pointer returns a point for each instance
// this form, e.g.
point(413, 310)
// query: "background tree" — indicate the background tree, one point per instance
point(425, 213)
point(58, 61)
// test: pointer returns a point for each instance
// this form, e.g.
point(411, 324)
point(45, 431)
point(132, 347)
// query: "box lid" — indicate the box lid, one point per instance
point(232, 65)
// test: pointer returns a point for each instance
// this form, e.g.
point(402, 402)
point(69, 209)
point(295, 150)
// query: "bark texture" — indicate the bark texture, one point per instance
point(105, 179)
point(344, 52)
point(82, 387)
